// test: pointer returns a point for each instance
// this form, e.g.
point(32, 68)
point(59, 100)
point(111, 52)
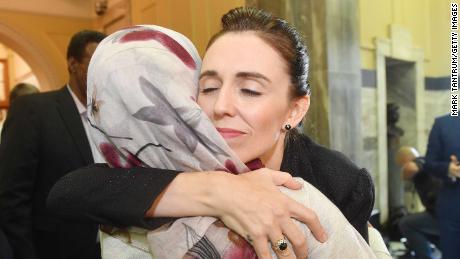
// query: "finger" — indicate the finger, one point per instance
point(259, 245)
point(296, 238)
point(310, 218)
point(285, 179)
point(275, 236)
point(261, 248)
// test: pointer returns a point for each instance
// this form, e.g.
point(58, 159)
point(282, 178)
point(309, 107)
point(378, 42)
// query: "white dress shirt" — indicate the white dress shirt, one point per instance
point(97, 157)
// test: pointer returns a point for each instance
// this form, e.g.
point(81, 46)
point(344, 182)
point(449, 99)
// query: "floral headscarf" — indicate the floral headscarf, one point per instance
point(142, 85)
point(142, 89)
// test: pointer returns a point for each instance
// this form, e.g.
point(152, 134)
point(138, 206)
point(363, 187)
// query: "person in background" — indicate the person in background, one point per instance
point(22, 89)
point(442, 161)
point(421, 229)
point(18, 90)
point(44, 138)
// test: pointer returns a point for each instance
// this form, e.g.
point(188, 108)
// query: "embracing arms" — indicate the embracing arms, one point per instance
point(250, 204)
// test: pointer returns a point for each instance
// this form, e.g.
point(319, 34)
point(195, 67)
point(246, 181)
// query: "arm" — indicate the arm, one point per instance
point(360, 203)
point(249, 204)
point(435, 164)
point(111, 196)
point(18, 167)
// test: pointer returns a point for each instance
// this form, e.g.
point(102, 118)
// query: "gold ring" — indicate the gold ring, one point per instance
point(281, 245)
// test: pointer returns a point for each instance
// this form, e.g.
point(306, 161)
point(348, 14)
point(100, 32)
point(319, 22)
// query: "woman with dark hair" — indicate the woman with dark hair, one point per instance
point(253, 88)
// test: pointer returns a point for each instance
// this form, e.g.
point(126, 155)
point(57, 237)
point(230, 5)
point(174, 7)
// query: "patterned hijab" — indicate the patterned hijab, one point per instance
point(142, 88)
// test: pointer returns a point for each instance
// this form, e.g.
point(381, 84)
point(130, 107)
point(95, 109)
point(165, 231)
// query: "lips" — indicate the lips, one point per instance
point(229, 133)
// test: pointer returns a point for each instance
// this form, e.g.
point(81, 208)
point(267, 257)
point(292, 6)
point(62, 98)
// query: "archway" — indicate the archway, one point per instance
point(34, 56)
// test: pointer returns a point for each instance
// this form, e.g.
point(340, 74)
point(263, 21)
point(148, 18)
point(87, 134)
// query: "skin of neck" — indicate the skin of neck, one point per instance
point(272, 158)
point(73, 83)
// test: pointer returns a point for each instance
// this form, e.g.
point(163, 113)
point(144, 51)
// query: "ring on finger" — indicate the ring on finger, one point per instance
point(281, 246)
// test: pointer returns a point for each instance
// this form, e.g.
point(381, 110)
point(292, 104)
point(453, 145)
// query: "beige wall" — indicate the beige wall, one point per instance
point(196, 19)
point(41, 40)
point(426, 20)
point(18, 70)
point(47, 36)
point(66, 8)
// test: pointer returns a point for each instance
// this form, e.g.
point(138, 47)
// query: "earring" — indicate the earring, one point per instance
point(287, 126)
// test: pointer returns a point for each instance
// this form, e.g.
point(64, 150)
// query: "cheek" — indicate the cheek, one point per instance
point(206, 104)
point(266, 121)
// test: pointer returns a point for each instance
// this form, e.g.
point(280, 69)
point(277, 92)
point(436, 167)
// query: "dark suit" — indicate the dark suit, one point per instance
point(444, 141)
point(43, 139)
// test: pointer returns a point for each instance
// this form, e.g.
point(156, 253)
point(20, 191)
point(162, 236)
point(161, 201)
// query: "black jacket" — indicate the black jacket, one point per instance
point(43, 139)
point(427, 186)
point(120, 197)
point(351, 189)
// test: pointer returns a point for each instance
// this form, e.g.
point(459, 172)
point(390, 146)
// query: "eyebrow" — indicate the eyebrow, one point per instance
point(252, 75)
point(239, 74)
point(208, 73)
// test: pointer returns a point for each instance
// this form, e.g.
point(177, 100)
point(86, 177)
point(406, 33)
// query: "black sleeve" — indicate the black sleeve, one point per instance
point(111, 196)
point(360, 203)
point(18, 171)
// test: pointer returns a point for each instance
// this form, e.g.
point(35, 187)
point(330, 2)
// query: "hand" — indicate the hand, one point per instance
point(454, 167)
point(253, 206)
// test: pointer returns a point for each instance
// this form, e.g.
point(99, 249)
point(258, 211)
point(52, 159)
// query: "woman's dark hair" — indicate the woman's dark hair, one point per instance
point(276, 32)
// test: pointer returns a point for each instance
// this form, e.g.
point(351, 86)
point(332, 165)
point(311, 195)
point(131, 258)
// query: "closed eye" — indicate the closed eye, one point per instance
point(208, 90)
point(250, 92)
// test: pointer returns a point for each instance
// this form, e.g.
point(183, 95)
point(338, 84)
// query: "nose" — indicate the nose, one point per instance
point(225, 103)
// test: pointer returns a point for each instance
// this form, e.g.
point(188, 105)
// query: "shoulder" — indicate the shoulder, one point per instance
point(349, 187)
point(322, 157)
point(37, 98)
point(36, 101)
point(446, 120)
point(445, 126)
point(335, 171)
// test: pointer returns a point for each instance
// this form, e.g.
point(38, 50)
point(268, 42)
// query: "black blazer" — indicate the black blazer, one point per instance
point(42, 140)
point(129, 193)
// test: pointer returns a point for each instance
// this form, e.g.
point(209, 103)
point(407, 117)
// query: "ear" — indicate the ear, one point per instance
point(71, 65)
point(298, 110)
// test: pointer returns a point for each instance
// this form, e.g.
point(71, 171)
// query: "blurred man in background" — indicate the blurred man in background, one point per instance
point(421, 229)
point(44, 138)
point(18, 90)
point(442, 161)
